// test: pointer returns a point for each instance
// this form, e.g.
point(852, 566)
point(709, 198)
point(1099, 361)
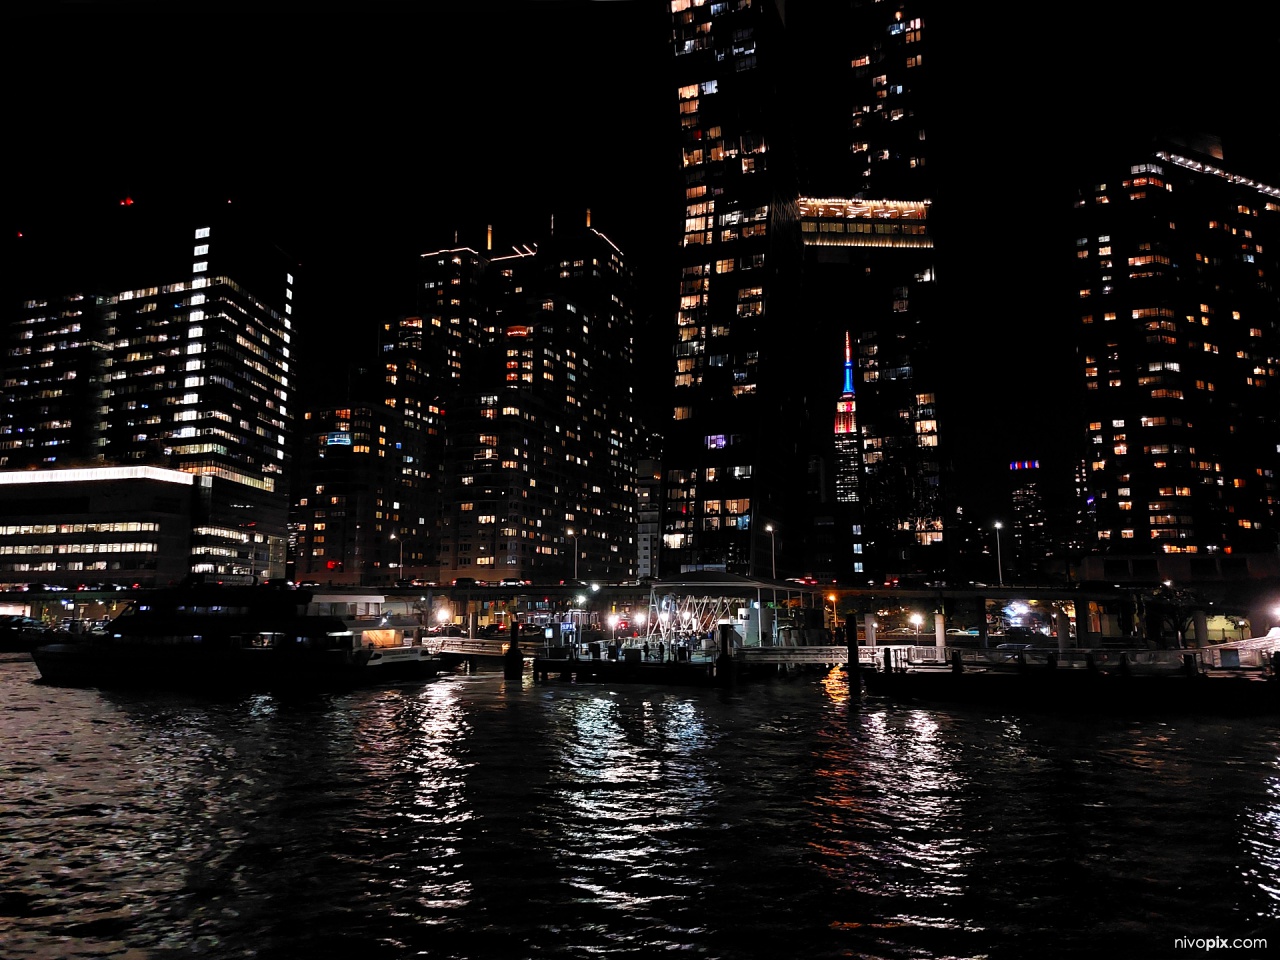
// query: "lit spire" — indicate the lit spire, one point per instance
point(848, 364)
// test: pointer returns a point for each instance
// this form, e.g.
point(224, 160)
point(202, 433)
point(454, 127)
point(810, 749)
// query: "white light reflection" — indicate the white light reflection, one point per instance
point(891, 815)
point(632, 780)
point(413, 745)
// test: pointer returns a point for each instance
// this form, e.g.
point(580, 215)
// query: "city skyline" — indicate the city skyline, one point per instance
point(374, 138)
point(361, 167)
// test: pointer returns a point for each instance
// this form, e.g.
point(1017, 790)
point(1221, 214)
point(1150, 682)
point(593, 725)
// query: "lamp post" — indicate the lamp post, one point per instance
point(834, 615)
point(916, 620)
point(400, 565)
point(773, 554)
point(569, 533)
point(999, 561)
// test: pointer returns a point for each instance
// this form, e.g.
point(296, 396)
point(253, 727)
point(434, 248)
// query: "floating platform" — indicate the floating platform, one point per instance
point(686, 673)
point(1082, 691)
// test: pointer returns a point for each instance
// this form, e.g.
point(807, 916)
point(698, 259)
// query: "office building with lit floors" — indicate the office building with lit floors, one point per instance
point(1176, 262)
point(185, 364)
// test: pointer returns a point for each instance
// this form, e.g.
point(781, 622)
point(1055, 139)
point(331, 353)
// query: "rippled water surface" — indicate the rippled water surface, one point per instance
point(471, 817)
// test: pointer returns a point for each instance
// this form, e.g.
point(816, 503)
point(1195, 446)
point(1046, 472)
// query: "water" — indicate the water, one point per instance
point(473, 818)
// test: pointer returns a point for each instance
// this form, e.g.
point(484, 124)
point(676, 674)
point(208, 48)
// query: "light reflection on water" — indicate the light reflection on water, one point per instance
point(470, 818)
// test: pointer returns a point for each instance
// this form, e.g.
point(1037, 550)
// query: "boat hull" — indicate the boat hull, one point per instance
point(401, 665)
point(188, 666)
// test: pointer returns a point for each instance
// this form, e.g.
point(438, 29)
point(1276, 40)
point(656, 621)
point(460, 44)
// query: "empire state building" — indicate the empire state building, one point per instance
point(847, 459)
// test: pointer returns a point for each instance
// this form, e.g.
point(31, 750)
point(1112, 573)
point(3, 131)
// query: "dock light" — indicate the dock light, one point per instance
point(916, 620)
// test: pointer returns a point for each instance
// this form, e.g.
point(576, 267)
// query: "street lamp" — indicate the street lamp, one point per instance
point(916, 620)
point(569, 533)
point(999, 562)
point(834, 615)
point(773, 554)
point(400, 565)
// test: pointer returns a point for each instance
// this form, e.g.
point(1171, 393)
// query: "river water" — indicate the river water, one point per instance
point(472, 817)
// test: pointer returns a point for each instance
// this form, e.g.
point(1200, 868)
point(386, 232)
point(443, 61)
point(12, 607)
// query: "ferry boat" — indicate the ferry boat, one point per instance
point(224, 637)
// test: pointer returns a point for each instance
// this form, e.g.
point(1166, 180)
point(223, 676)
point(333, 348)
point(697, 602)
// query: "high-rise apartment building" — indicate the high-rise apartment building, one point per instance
point(541, 437)
point(732, 461)
point(505, 440)
point(351, 496)
point(1177, 254)
point(837, 197)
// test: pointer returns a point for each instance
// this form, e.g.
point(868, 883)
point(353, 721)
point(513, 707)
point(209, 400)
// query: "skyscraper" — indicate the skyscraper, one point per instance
point(838, 200)
point(846, 431)
point(541, 435)
point(732, 463)
point(1176, 258)
point(171, 345)
point(506, 420)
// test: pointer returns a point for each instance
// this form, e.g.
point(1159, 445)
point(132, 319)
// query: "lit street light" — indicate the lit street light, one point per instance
point(916, 620)
point(773, 554)
point(400, 565)
point(999, 562)
point(569, 533)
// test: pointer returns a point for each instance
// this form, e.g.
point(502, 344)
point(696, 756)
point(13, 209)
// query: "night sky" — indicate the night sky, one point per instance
point(373, 132)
